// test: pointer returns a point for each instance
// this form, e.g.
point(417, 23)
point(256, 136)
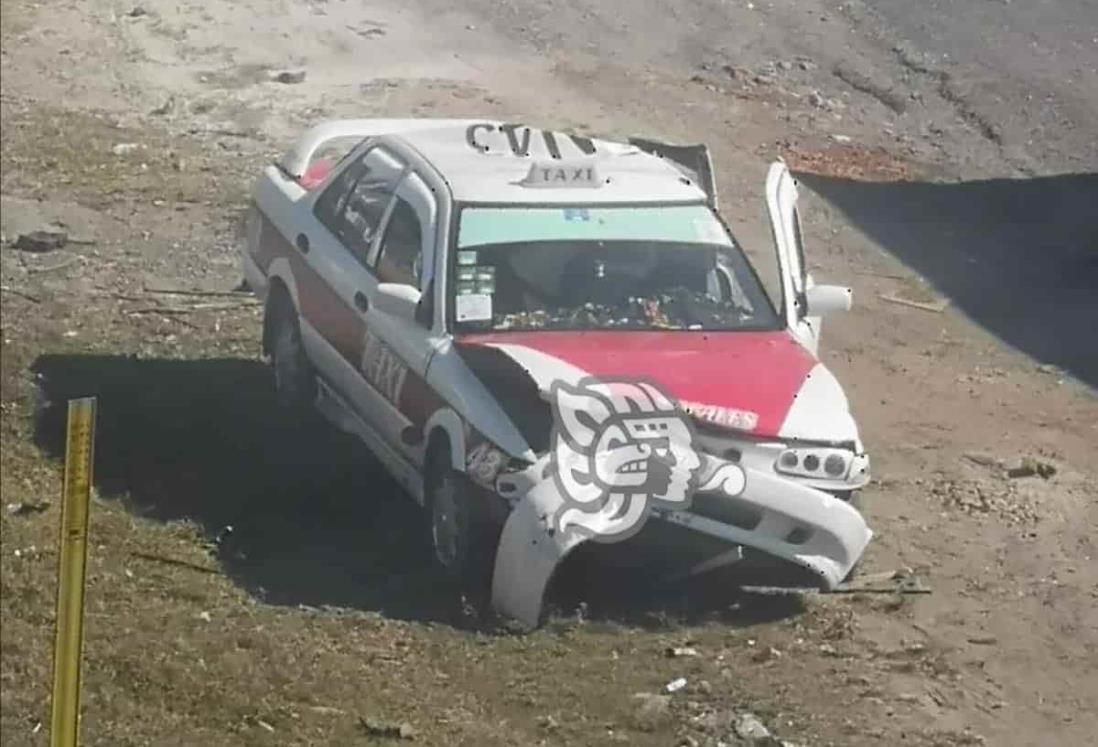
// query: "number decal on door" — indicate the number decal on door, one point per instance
point(383, 369)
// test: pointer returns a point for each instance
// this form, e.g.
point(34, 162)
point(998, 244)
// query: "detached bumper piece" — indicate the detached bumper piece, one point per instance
point(773, 515)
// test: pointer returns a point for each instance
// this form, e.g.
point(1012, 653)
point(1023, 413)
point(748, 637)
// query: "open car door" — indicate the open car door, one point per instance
point(693, 160)
point(785, 222)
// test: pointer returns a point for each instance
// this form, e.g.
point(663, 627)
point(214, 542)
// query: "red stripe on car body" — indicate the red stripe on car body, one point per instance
point(320, 305)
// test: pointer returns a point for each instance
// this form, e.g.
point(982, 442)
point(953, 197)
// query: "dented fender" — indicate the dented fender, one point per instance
point(530, 550)
point(797, 523)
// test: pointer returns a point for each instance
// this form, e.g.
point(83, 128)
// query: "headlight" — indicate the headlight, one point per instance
point(835, 465)
point(829, 464)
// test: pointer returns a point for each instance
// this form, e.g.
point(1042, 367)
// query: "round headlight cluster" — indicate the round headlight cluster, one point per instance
point(810, 463)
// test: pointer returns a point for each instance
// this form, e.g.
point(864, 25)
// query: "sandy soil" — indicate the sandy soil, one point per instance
point(948, 155)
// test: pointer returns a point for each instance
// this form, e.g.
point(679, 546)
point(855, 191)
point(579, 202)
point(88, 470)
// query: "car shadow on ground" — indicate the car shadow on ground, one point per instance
point(1018, 256)
point(315, 519)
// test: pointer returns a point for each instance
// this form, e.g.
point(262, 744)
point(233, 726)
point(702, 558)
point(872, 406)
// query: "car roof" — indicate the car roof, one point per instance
point(493, 162)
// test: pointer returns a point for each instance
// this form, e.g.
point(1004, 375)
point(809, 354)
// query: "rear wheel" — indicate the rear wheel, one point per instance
point(294, 377)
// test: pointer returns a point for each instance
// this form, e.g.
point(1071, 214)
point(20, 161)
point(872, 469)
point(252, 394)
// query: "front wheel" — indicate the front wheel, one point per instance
point(463, 535)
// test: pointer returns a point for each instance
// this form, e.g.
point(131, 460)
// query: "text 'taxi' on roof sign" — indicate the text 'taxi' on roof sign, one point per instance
point(563, 175)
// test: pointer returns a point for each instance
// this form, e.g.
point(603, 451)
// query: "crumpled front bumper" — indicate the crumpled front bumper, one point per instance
point(785, 519)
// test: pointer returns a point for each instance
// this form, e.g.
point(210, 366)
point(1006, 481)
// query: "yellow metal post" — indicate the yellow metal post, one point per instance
point(71, 565)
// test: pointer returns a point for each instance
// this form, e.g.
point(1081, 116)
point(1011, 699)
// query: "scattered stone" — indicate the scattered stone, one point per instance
point(817, 99)
point(205, 616)
point(785, 65)
point(651, 707)
point(41, 241)
point(766, 654)
point(689, 741)
point(679, 651)
point(548, 723)
point(164, 109)
point(385, 729)
point(290, 77)
point(806, 65)
point(717, 721)
point(124, 149)
point(675, 685)
point(983, 640)
point(842, 138)
point(748, 726)
point(984, 460)
point(137, 12)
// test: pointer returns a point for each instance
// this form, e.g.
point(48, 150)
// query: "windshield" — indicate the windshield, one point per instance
point(575, 268)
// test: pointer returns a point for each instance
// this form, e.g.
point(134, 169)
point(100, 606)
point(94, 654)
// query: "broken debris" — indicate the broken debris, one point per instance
point(23, 508)
point(675, 685)
point(1029, 466)
point(937, 307)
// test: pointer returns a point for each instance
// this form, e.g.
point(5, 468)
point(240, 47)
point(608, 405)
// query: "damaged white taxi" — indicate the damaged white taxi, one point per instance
point(552, 342)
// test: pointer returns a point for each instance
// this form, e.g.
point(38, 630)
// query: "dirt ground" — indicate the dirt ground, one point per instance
point(255, 584)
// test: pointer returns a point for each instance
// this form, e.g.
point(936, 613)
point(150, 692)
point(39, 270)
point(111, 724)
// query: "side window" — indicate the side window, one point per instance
point(401, 257)
point(329, 206)
point(354, 204)
point(364, 212)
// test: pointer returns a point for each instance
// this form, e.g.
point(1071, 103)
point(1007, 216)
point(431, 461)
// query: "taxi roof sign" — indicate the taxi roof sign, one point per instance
point(578, 174)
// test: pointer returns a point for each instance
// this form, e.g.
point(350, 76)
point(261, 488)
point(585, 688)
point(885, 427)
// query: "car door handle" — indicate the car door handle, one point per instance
point(302, 242)
point(362, 302)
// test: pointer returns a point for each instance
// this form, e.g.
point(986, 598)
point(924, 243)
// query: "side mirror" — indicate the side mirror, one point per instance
point(397, 299)
point(821, 300)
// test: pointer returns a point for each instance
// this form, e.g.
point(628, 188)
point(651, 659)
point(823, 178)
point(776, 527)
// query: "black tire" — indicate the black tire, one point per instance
point(463, 534)
point(293, 374)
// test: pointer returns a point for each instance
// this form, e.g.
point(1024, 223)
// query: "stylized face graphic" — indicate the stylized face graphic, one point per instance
point(640, 453)
point(619, 448)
